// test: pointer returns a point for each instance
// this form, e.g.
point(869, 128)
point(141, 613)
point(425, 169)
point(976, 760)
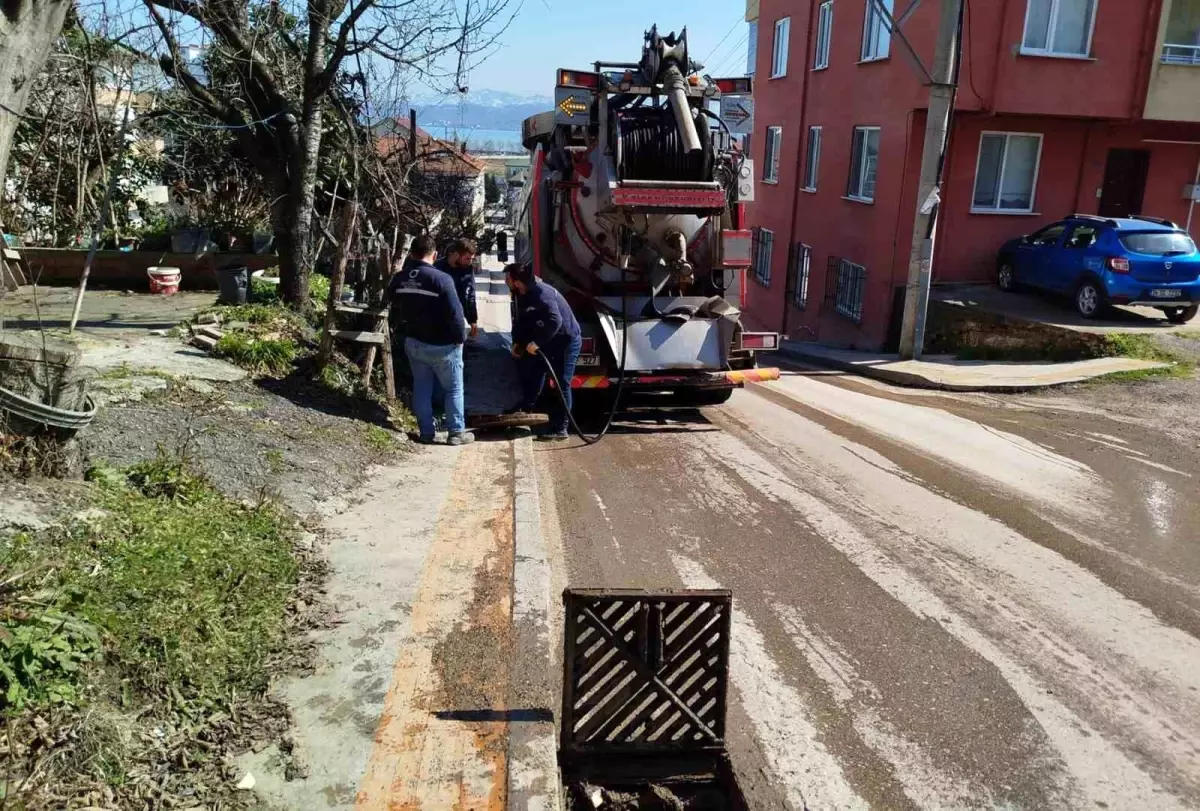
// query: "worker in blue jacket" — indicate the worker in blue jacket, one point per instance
point(431, 317)
point(459, 262)
point(543, 324)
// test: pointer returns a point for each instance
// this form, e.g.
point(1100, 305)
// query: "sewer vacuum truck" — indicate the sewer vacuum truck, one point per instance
point(633, 210)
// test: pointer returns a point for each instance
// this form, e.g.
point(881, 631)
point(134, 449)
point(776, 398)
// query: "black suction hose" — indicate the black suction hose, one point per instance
point(612, 413)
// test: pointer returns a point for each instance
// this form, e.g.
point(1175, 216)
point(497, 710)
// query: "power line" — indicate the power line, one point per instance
point(732, 56)
point(732, 28)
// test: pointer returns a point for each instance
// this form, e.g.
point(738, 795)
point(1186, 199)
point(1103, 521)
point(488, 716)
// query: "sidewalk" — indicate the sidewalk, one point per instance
point(950, 374)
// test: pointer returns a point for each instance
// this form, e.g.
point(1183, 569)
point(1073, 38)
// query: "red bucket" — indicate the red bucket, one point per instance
point(164, 281)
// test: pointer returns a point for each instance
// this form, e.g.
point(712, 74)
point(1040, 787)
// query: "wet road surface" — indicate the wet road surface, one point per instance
point(940, 602)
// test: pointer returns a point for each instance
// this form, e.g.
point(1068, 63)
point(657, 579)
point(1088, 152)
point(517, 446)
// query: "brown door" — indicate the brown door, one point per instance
point(1124, 182)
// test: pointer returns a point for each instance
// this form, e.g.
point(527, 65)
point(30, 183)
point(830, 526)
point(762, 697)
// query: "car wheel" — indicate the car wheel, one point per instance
point(1181, 315)
point(1090, 299)
point(1006, 277)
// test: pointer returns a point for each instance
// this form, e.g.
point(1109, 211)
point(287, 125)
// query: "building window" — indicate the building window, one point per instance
point(1059, 27)
point(848, 287)
point(779, 53)
point(1006, 174)
point(877, 34)
point(812, 160)
point(864, 160)
point(824, 34)
point(798, 283)
point(771, 154)
point(752, 48)
point(764, 244)
point(1182, 43)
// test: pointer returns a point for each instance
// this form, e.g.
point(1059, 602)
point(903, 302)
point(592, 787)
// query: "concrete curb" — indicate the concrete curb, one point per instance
point(919, 381)
point(533, 779)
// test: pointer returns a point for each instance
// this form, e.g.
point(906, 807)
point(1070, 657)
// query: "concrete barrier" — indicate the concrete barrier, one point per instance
point(126, 270)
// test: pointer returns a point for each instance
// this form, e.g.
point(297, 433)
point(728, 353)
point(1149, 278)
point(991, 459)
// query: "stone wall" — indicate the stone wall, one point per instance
point(956, 329)
point(126, 270)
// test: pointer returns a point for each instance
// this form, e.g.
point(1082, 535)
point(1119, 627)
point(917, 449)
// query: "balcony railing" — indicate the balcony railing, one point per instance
point(1181, 55)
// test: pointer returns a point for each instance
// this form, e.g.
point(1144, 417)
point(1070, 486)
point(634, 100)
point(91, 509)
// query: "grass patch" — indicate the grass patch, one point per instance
point(136, 631)
point(380, 439)
point(1137, 345)
point(272, 355)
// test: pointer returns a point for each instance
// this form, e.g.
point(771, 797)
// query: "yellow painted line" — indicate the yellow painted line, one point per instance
point(438, 744)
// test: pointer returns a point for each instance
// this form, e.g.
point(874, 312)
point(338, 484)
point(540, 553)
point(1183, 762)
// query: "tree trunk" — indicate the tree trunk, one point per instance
point(298, 221)
point(28, 29)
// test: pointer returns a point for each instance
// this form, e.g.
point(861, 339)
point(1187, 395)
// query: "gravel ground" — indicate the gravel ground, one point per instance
point(288, 438)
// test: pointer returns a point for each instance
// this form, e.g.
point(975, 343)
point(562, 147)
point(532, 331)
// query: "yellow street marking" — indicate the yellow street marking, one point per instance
point(441, 740)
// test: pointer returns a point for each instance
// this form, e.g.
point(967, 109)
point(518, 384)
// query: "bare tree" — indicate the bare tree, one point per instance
point(28, 29)
point(286, 64)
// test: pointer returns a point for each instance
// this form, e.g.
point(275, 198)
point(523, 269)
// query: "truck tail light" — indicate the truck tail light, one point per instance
point(760, 340)
point(740, 85)
point(587, 346)
point(578, 78)
point(1118, 264)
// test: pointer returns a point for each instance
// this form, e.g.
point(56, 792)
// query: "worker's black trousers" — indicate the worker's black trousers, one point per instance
point(563, 354)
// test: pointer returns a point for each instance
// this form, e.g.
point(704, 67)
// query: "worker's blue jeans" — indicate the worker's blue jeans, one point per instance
point(434, 365)
point(563, 354)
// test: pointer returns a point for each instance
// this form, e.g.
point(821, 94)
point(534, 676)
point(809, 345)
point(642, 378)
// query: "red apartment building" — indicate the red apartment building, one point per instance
point(1089, 106)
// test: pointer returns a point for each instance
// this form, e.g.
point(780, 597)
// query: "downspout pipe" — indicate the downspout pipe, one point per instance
point(801, 147)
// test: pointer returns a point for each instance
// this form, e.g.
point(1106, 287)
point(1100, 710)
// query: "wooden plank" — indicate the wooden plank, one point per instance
point(354, 309)
point(355, 336)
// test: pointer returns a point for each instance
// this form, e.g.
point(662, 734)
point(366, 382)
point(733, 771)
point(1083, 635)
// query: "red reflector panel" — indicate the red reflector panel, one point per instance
point(760, 340)
point(737, 248)
point(587, 346)
point(669, 198)
point(578, 78)
point(733, 86)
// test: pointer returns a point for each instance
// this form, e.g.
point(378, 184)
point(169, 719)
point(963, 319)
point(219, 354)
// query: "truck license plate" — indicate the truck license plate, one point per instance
point(1165, 293)
point(588, 360)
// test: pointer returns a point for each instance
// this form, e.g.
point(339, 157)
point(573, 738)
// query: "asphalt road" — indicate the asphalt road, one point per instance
point(940, 602)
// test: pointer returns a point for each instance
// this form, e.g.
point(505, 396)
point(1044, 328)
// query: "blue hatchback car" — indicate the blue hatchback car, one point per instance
point(1102, 261)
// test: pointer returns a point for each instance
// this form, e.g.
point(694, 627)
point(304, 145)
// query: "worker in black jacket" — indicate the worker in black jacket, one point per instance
point(459, 262)
point(434, 328)
point(543, 324)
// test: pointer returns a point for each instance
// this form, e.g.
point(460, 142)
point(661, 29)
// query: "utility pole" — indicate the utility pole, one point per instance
point(937, 131)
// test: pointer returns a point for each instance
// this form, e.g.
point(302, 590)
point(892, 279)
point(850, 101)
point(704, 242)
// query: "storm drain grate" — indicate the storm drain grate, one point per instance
point(645, 671)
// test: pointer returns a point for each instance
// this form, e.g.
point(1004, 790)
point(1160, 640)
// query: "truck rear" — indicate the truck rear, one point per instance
point(633, 211)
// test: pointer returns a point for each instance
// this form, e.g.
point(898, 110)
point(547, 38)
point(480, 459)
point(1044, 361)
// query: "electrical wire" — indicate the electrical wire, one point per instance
point(732, 28)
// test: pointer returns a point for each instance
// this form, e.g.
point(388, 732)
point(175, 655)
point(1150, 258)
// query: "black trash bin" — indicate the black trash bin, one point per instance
point(233, 280)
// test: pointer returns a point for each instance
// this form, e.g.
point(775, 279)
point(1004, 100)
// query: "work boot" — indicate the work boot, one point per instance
point(463, 438)
point(553, 436)
point(422, 440)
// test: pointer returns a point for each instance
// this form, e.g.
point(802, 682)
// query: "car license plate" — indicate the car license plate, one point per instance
point(588, 360)
point(1165, 293)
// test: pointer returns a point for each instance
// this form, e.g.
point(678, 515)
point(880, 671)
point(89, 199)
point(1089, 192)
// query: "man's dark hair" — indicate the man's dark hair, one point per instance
point(462, 246)
point(519, 272)
point(422, 246)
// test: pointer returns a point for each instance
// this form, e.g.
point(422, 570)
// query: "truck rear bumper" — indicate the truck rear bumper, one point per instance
point(658, 382)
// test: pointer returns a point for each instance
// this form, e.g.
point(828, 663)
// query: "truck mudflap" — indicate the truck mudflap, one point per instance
point(737, 377)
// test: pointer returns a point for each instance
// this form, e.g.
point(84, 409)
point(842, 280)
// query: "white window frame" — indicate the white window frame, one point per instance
point(752, 48)
point(802, 269)
point(762, 269)
point(771, 154)
point(812, 159)
point(872, 12)
point(1051, 25)
point(1037, 168)
point(824, 35)
point(779, 48)
point(862, 163)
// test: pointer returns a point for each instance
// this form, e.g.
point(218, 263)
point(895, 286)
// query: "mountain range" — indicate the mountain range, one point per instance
point(483, 109)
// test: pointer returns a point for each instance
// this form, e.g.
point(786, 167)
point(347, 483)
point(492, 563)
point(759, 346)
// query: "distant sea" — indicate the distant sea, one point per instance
point(478, 140)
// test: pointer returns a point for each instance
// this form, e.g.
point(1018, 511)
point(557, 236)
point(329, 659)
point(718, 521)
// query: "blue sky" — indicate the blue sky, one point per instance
point(551, 34)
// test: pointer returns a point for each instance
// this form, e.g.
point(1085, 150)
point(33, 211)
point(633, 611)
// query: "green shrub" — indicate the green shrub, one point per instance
point(273, 355)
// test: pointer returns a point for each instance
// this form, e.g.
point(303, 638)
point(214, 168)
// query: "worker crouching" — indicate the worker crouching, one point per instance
point(544, 324)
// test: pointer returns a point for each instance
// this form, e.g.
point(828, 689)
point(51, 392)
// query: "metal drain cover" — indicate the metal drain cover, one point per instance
point(645, 671)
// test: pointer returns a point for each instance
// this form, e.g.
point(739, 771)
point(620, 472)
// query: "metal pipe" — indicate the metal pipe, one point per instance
point(676, 87)
point(1192, 204)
